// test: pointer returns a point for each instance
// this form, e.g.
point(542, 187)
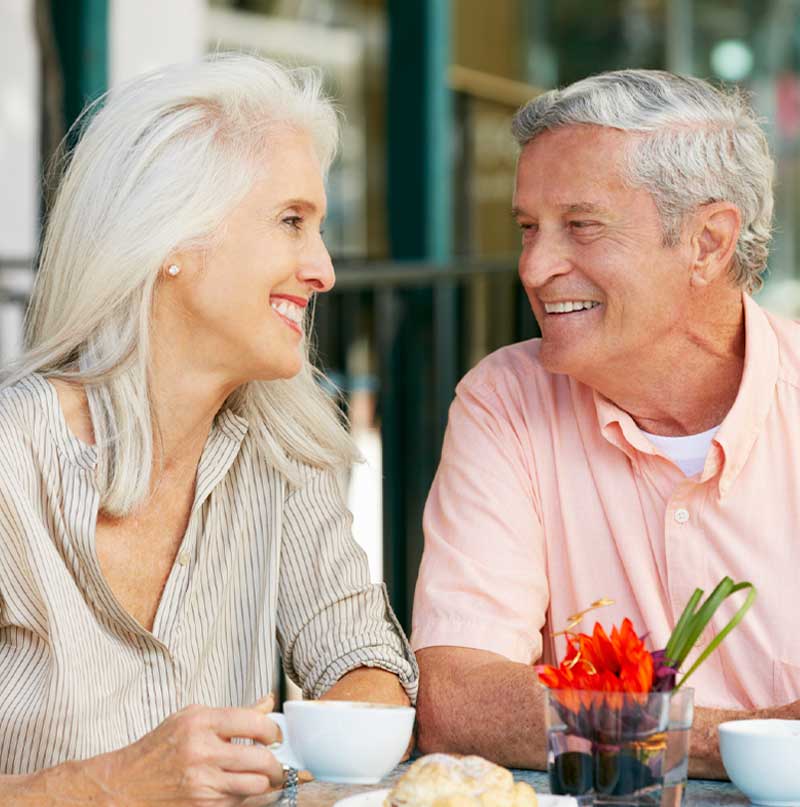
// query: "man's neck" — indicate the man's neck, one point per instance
point(686, 385)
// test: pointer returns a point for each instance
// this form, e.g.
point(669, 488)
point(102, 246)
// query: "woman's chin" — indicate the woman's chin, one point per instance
point(281, 372)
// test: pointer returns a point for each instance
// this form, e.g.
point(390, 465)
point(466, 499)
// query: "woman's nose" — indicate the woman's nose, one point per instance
point(317, 269)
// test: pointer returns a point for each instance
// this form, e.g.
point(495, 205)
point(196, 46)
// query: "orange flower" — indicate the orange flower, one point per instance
point(620, 663)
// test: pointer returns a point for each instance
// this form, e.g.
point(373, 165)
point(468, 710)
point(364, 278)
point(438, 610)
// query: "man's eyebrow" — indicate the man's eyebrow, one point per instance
point(582, 207)
point(572, 207)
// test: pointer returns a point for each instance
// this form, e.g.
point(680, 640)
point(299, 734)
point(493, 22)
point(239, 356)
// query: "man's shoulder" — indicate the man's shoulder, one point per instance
point(513, 366)
point(787, 334)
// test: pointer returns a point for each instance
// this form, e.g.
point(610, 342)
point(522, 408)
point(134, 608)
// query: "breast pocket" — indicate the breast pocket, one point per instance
point(785, 682)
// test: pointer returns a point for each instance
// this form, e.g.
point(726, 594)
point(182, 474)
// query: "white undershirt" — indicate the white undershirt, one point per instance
point(688, 453)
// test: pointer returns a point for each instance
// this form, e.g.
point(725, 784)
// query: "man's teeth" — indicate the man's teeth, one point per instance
point(288, 310)
point(569, 306)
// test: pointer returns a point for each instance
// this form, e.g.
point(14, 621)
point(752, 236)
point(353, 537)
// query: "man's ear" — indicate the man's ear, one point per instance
point(715, 233)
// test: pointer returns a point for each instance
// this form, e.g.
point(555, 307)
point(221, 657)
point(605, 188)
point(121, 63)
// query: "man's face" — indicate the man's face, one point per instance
point(604, 289)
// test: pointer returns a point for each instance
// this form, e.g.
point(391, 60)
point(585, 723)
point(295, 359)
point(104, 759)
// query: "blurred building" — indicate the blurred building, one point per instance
point(419, 198)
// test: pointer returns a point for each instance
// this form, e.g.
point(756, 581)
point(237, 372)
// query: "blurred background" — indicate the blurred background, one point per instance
point(419, 198)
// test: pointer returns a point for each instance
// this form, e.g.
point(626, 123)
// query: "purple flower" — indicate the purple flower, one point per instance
point(663, 674)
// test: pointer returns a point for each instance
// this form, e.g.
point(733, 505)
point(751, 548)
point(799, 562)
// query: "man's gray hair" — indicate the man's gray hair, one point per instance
point(700, 145)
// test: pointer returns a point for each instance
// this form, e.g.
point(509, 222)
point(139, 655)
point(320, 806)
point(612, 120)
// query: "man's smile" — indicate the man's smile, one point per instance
point(568, 306)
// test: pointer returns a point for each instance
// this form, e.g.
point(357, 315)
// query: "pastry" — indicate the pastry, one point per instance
point(442, 780)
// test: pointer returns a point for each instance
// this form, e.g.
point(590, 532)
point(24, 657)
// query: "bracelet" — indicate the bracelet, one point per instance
point(290, 785)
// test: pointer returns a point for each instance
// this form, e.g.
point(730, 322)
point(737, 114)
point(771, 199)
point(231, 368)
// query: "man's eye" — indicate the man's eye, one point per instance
point(295, 222)
point(583, 225)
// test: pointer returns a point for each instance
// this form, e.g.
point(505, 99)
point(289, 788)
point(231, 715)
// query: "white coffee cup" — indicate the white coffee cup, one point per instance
point(340, 741)
point(761, 757)
point(283, 752)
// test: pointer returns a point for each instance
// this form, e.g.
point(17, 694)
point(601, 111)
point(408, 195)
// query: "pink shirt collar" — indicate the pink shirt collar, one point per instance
point(734, 440)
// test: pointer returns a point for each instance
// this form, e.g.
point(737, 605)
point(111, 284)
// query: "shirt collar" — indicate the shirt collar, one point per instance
point(227, 427)
point(744, 421)
point(219, 453)
point(737, 434)
point(233, 426)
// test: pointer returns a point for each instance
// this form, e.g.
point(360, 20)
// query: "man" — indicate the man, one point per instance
point(644, 446)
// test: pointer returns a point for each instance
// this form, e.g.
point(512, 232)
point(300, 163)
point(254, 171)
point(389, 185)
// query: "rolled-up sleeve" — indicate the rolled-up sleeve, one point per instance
point(483, 581)
point(331, 619)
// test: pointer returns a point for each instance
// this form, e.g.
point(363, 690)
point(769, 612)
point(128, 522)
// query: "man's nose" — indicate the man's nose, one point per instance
point(317, 268)
point(542, 260)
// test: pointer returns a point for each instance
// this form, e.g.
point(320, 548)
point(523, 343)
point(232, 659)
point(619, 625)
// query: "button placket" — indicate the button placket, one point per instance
point(677, 537)
point(681, 515)
point(170, 609)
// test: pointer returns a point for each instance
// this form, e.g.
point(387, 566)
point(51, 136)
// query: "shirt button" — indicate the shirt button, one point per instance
point(183, 558)
point(681, 515)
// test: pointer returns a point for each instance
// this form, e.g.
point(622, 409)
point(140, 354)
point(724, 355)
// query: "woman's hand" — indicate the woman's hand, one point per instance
point(189, 760)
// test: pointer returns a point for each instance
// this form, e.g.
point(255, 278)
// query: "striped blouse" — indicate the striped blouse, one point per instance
point(261, 567)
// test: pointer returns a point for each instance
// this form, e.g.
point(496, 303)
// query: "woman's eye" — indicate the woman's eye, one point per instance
point(583, 225)
point(295, 222)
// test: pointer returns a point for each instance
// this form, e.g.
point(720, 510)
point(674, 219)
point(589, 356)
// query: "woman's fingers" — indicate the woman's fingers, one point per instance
point(251, 758)
point(245, 784)
point(247, 723)
point(190, 756)
point(265, 705)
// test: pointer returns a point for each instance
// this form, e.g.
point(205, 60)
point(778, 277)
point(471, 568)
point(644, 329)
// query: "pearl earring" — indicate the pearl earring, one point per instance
point(173, 270)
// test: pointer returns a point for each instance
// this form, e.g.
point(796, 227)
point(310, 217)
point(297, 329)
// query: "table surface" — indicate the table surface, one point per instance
point(699, 792)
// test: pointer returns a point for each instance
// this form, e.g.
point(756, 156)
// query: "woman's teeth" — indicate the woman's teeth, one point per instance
point(289, 310)
point(569, 306)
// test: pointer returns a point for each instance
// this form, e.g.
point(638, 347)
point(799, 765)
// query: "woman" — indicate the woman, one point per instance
point(169, 505)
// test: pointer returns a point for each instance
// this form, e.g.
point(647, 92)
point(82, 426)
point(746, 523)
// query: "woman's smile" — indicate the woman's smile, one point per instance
point(290, 309)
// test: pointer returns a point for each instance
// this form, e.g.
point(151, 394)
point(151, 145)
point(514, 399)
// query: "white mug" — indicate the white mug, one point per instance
point(283, 752)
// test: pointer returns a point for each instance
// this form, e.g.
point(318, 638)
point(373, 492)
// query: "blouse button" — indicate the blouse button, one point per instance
point(183, 558)
point(681, 515)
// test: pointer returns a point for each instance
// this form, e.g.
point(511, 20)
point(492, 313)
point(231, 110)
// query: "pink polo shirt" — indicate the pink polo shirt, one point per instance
point(548, 497)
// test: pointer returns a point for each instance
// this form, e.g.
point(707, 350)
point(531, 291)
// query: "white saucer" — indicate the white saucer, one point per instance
point(374, 798)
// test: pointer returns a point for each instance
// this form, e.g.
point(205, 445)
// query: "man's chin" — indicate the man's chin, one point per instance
point(557, 360)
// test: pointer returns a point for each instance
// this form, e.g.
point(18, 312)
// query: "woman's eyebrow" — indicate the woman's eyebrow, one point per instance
point(298, 201)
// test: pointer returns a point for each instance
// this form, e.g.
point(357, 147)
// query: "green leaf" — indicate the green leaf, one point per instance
point(699, 620)
point(737, 618)
point(681, 627)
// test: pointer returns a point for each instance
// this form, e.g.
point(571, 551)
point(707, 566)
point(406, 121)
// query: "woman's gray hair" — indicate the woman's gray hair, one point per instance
point(699, 145)
point(161, 162)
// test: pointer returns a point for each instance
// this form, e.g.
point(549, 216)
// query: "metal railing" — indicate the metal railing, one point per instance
point(415, 328)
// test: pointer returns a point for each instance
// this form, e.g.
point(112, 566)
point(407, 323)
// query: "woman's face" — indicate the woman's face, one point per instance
point(238, 309)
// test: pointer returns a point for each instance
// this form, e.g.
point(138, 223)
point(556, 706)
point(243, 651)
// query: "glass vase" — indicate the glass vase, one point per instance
point(621, 749)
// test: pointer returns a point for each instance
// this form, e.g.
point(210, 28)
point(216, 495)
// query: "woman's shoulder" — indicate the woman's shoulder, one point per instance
point(25, 428)
point(25, 405)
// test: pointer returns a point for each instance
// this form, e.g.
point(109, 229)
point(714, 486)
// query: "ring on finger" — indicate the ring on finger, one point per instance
point(289, 777)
